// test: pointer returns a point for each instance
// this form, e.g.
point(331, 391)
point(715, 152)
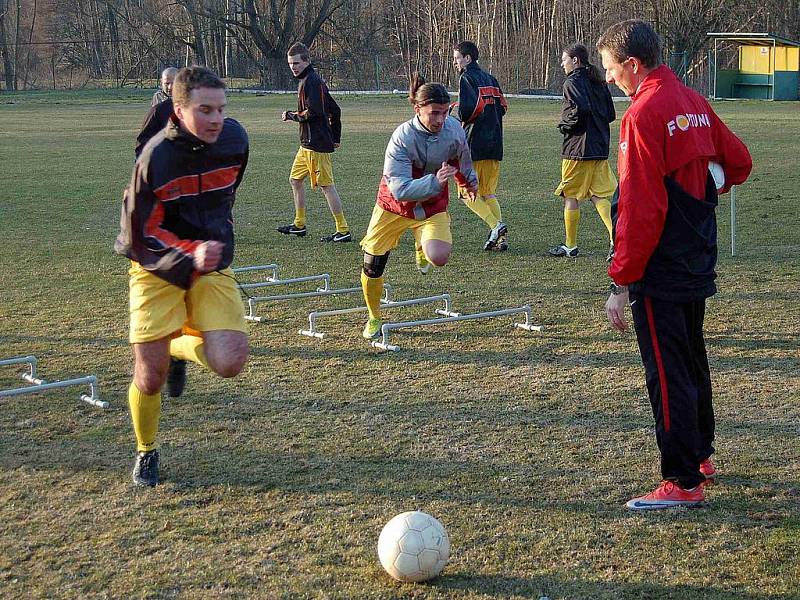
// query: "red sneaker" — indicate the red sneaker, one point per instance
point(708, 469)
point(668, 495)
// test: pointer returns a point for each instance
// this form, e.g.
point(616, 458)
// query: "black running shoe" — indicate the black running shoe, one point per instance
point(176, 377)
point(564, 251)
point(337, 237)
point(292, 229)
point(145, 471)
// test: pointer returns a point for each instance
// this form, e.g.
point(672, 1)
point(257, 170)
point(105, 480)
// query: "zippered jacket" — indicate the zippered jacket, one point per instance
point(587, 111)
point(319, 116)
point(481, 106)
point(665, 229)
point(413, 156)
point(181, 194)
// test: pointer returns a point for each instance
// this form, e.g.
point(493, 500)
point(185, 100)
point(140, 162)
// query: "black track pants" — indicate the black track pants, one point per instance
point(670, 336)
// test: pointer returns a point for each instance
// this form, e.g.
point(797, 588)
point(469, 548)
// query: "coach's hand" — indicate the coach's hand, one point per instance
point(207, 256)
point(445, 172)
point(615, 310)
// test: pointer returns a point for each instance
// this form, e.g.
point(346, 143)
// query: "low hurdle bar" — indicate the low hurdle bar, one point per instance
point(387, 327)
point(320, 292)
point(41, 385)
point(313, 317)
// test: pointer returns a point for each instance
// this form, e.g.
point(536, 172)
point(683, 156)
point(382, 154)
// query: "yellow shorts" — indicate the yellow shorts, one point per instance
point(316, 165)
point(159, 309)
point(582, 179)
point(386, 228)
point(488, 172)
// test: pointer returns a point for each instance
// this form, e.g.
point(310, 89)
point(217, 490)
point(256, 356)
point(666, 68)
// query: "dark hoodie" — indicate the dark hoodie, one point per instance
point(318, 114)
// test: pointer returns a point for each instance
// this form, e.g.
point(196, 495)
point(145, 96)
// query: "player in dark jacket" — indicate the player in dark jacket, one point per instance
point(177, 230)
point(320, 134)
point(481, 106)
point(156, 119)
point(585, 173)
point(665, 235)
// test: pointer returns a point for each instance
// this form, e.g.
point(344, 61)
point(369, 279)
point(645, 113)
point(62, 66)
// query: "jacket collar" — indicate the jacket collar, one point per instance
point(654, 78)
point(178, 134)
point(305, 72)
point(417, 124)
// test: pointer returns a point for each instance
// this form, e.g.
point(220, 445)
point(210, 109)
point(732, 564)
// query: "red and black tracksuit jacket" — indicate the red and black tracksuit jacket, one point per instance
point(665, 237)
point(481, 106)
point(181, 194)
point(319, 116)
point(587, 111)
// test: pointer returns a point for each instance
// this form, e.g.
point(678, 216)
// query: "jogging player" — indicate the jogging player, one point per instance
point(481, 106)
point(585, 174)
point(422, 155)
point(665, 236)
point(320, 134)
point(176, 228)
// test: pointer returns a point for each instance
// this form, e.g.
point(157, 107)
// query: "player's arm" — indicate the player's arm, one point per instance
point(334, 117)
point(577, 109)
point(397, 171)
point(732, 154)
point(312, 101)
point(642, 207)
point(467, 100)
point(151, 125)
point(157, 249)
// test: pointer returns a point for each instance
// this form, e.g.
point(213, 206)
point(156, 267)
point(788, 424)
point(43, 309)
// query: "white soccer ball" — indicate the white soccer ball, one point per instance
point(413, 546)
point(718, 173)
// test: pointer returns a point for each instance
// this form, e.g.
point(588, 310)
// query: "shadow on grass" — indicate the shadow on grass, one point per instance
point(501, 586)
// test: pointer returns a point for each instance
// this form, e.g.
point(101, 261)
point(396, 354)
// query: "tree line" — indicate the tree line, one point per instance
point(357, 44)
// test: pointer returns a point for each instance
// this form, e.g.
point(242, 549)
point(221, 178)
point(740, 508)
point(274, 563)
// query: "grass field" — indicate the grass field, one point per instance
point(276, 484)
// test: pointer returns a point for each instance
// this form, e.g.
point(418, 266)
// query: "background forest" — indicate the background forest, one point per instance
point(358, 44)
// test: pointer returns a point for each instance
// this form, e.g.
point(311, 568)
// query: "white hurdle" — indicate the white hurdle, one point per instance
point(313, 317)
point(40, 385)
point(384, 344)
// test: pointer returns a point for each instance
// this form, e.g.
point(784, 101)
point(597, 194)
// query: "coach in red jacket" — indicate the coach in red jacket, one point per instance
point(665, 237)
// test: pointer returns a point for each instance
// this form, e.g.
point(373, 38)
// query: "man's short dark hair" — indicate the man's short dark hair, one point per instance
point(192, 78)
point(632, 38)
point(467, 48)
point(298, 49)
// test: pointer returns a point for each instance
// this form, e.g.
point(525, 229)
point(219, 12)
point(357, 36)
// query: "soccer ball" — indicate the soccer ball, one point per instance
point(718, 173)
point(413, 546)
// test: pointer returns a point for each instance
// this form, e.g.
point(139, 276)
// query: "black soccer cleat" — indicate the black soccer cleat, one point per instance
point(337, 237)
point(292, 229)
point(145, 470)
point(564, 251)
point(176, 377)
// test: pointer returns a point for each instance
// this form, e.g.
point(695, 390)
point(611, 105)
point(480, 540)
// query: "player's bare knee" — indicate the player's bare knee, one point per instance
point(439, 258)
point(150, 380)
point(229, 361)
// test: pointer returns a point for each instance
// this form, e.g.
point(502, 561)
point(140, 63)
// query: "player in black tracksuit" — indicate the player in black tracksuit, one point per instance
point(481, 106)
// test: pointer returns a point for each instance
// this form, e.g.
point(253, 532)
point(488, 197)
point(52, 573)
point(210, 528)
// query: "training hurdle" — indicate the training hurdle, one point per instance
point(384, 344)
point(313, 317)
point(41, 385)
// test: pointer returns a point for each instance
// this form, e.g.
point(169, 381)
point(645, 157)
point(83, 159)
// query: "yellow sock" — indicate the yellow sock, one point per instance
point(300, 217)
point(494, 206)
point(341, 222)
point(571, 220)
point(481, 208)
point(373, 290)
point(603, 207)
point(145, 411)
point(189, 347)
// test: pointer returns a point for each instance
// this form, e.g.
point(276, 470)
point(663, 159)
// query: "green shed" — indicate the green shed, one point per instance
point(768, 67)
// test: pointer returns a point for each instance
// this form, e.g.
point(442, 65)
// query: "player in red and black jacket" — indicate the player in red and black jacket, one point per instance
point(320, 134)
point(481, 106)
point(665, 236)
point(177, 229)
